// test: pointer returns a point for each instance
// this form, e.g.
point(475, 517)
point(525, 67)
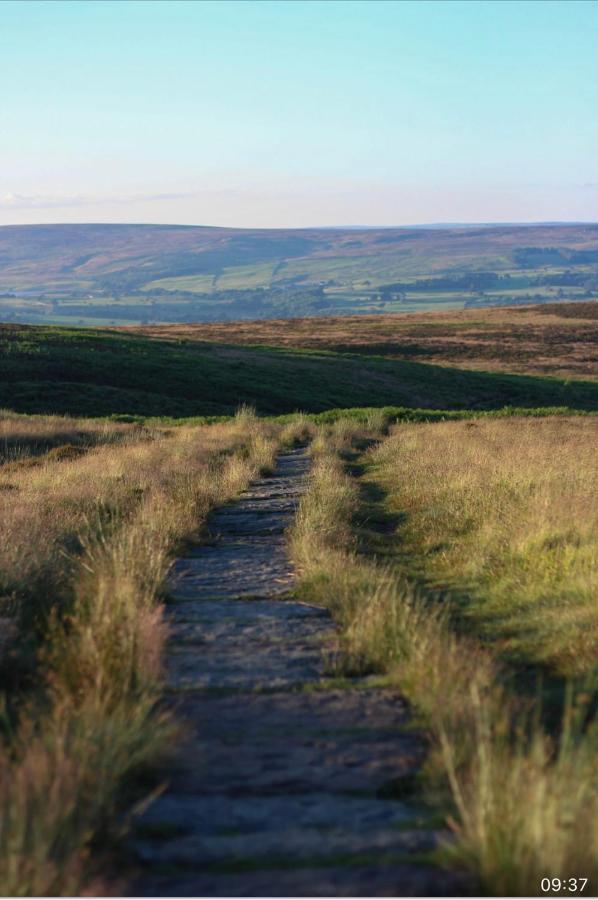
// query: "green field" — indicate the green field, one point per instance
point(197, 284)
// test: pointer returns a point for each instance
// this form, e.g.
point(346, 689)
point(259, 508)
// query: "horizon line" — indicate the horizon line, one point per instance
point(423, 225)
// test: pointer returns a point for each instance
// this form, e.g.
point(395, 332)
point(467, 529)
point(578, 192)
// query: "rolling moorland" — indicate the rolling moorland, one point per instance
point(448, 526)
point(551, 339)
point(131, 274)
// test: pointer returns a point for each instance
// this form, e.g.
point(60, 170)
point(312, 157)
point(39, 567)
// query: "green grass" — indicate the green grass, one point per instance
point(101, 373)
point(239, 277)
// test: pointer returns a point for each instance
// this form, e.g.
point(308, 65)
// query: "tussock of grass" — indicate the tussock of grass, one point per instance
point(59, 784)
point(22, 438)
point(112, 520)
point(524, 804)
point(296, 429)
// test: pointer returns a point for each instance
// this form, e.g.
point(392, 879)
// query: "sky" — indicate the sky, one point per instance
point(298, 113)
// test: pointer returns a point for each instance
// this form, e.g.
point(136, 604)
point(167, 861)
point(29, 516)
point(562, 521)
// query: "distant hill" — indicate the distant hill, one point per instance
point(103, 274)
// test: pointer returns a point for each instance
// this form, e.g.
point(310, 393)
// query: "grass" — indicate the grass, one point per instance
point(504, 513)
point(86, 546)
point(242, 277)
point(24, 438)
point(81, 371)
point(522, 802)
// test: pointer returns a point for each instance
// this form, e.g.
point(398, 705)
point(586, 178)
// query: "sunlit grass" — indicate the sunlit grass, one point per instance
point(507, 513)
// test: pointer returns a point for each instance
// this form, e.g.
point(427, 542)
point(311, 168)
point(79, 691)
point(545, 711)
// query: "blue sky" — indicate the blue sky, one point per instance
point(284, 113)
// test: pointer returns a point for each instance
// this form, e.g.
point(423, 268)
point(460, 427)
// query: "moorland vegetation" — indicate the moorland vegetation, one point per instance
point(558, 340)
point(75, 371)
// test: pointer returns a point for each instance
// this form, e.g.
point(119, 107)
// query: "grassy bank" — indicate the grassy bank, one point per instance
point(83, 372)
point(522, 803)
point(504, 514)
point(86, 545)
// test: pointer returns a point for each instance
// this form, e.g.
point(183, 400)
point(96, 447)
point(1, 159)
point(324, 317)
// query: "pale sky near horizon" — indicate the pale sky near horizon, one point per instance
point(287, 113)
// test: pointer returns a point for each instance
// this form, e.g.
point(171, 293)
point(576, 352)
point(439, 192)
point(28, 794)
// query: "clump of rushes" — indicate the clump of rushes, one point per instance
point(258, 443)
point(523, 805)
point(95, 722)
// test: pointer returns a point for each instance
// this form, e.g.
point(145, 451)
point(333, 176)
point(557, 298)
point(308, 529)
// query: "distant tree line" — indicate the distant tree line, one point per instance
point(532, 257)
point(466, 281)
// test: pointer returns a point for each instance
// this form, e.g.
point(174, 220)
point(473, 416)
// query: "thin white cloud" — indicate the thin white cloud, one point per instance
point(40, 201)
point(57, 201)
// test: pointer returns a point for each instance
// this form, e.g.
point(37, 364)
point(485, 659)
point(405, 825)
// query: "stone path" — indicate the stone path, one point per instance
point(284, 784)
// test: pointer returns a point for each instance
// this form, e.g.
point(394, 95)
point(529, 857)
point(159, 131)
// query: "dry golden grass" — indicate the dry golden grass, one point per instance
point(507, 512)
point(22, 438)
point(86, 547)
point(524, 803)
point(46, 512)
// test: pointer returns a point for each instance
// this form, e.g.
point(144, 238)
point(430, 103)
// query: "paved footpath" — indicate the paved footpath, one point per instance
point(283, 784)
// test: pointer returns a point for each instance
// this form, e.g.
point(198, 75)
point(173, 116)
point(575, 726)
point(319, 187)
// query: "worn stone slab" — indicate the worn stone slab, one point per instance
point(296, 846)
point(271, 664)
point(233, 569)
point(287, 640)
point(264, 505)
point(273, 489)
point(298, 715)
point(206, 816)
point(327, 763)
point(249, 522)
point(213, 611)
point(299, 829)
